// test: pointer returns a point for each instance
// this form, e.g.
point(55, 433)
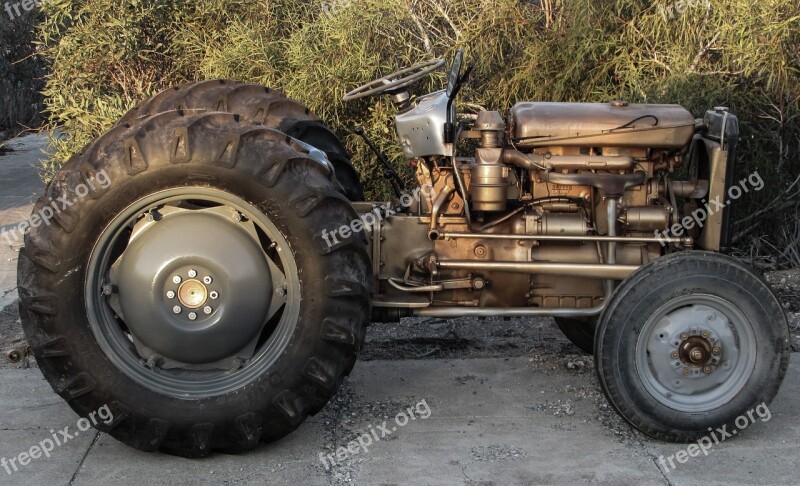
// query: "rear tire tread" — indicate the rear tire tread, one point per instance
point(263, 105)
point(313, 187)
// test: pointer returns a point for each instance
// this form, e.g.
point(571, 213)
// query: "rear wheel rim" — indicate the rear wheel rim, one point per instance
point(193, 374)
point(696, 353)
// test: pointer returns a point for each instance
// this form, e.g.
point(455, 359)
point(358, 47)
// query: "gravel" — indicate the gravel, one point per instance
point(12, 338)
point(786, 284)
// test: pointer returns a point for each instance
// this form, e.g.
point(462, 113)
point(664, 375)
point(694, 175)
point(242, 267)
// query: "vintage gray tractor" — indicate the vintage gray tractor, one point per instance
point(218, 289)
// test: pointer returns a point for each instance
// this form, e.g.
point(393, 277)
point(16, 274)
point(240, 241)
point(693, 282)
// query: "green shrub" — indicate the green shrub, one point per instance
point(107, 54)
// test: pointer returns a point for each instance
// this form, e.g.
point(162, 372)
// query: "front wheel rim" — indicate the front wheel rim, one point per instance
point(696, 353)
point(144, 354)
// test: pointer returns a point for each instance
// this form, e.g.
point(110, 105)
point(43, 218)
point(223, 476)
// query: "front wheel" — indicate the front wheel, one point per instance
point(691, 341)
point(185, 284)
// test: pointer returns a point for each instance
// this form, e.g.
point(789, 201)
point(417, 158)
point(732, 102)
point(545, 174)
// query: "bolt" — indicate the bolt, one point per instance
point(686, 371)
point(108, 289)
point(705, 334)
point(237, 216)
point(192, 316)
point(171, 294)
point(207, 280)
point(716, 350)
point(675, 355)
point(177, 309)
point(207, 310)
point(214, 295)
point(696, 354)
point(192, 273)
point(153, 362)
point(176, 279)
point(706, 369)
point(684, 336)
point(281, 291)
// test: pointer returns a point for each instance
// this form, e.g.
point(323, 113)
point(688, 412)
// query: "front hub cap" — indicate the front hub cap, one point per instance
point(167, 275)
point(695, 351)
point(688, 354)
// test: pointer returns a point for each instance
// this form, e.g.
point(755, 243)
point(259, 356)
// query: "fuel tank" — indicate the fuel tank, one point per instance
point(616, 124)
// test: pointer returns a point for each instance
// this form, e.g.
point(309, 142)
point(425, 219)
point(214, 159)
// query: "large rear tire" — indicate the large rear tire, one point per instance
point(692, 342)
point(185, 284)
point(257, 103)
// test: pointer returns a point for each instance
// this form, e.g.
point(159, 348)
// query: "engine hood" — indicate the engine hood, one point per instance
point(616, 124)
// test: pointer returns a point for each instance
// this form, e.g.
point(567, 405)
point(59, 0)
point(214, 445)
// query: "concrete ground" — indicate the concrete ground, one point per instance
point(19, 188)
point(509, 402)
point(492, 421)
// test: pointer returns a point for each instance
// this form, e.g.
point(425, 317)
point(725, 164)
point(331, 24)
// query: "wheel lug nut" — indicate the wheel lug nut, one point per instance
point(207, 280)
point(716, 350)
point(171, 294)
point(705, 334)
point(176, 279)
point(675, 354)
point(192, 316)
point(177, 309)
point(207, 310)
point(706, 369)
point(684, 336)
point(192, 273)
point(686, 371)
point(214, 295)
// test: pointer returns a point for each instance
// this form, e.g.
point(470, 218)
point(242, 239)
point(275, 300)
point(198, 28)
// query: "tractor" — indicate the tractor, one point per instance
point(217, 290)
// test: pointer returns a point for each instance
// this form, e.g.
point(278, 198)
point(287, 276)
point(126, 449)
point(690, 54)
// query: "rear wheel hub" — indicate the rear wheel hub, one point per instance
point(193, 292)
point(174, 263)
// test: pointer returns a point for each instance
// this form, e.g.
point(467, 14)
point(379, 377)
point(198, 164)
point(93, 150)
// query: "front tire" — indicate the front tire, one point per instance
point(691, 341)
point(270, 322)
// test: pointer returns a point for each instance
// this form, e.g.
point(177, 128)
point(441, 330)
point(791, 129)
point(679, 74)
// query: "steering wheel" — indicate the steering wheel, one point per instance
point(396, 80)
